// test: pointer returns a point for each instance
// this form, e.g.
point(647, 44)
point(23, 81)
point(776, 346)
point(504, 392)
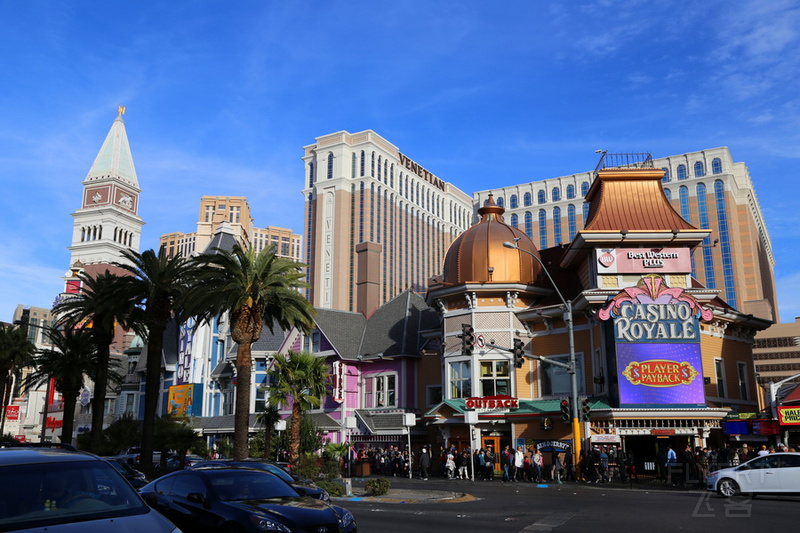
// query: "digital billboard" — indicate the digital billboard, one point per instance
point(657, 338)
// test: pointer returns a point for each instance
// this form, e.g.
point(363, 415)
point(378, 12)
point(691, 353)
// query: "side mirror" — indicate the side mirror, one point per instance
point(196, 497)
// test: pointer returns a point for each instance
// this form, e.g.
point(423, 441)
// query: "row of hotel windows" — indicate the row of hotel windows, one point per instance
point(558, 236)
point(699, 170)
point(234, 217)
point(541, 196)
point(414, 191)
point(94, 233)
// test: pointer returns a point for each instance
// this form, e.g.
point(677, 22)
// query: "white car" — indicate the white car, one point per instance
point(775, 473)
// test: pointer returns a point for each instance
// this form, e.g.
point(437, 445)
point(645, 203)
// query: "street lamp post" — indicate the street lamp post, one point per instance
point(572, 366)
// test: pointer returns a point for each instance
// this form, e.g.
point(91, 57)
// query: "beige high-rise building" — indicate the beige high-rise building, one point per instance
point(706, 187)
point(214, 210)
point(376, 222)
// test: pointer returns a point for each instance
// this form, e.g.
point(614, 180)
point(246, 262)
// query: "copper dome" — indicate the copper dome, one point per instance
point(478, 254)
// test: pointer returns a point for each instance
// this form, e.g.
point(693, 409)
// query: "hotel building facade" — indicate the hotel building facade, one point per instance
point(706, 187)
point(376, 221)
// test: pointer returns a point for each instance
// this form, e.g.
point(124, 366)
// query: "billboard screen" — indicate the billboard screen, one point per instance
point(657, 340)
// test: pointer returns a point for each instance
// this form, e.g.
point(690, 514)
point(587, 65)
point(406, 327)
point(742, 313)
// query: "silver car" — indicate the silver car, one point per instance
point(775, 473)
point(56, 490)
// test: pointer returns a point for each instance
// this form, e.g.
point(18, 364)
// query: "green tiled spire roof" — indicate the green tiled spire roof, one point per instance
point(114, 159)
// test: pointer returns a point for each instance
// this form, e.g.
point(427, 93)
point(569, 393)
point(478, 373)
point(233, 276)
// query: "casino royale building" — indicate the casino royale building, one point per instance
point(660, 358)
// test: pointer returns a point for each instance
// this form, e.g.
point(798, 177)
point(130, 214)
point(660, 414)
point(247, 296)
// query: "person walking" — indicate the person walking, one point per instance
point(538, 463)
point(505, 463)
point(672, 461)
point(519, 464)
point(555, 459)
point(424, 463)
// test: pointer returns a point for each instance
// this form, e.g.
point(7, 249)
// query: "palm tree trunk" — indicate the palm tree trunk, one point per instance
point(70, 397)
point(99, 398)
point(294, 443)
point(5, 392)
point(241, 415)
point(155, 344)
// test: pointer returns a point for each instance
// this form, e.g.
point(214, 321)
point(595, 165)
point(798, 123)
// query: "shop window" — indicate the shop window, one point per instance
point(460, 380)
point(495, 378)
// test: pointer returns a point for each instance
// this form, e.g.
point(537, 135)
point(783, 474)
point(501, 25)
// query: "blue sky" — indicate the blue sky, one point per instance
point(222, 96)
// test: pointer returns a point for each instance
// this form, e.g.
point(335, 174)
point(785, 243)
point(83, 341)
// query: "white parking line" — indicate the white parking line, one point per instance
point(549, 522)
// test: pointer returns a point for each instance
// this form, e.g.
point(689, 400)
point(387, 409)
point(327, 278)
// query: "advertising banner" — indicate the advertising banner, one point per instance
point(12, 412)
point(184, 364)
point(789, 416)
point(657, 335)
point(637, 260)
point(184, 399)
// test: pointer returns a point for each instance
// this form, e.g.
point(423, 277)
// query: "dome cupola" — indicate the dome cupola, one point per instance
point(478, 254)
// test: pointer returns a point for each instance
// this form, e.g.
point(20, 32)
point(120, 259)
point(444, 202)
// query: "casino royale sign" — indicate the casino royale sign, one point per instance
point(657, 334)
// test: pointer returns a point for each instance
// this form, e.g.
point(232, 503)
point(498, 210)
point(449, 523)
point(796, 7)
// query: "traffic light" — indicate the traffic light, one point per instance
point(467, 339)
point(585, 409)
point(519, 353)
point(566, 411)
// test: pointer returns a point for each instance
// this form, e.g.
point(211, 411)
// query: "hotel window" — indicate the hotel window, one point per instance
point(742, 375)
point(379, 167)
point(529, 224)
point(512, 202)
point(311, 174)
point(681, 172)
point(372, 165)
point(500, 201)
point(542, 229)
point(570, 192)
point(363, 161)
point(312, 342)
point(556, 226)
point(665, 179)
point(585, 213)
point(716, 166)
point(235, 214)
point(391, 176)
point(699, 170)
point(353, 166)
point(209, 213)
point(514, 221)
point(683, 195)
point(719, 369)
point(572, 227)
point(494, 376)
point(527, 199)
point(541, 197)
point(555, 381)
point(330, 165)
point(668, 194)
point(584, 188)
point(460, 380)
point(708, 256)
point(556, 194)
point(725, 243)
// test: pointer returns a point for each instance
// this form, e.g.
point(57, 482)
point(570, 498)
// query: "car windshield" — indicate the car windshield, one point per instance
point(232, 485)
point(46, 494)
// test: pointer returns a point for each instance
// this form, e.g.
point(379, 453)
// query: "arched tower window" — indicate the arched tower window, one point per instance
point(527, 199)
point(716, 166)
point(699, 170)
point(665, 179)
point(570, 192)
point(512, 202)
point(556, 194)
point(681, 172)
point(330, 165)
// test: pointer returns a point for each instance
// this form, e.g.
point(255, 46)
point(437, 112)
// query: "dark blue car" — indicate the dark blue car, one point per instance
point(241, 500)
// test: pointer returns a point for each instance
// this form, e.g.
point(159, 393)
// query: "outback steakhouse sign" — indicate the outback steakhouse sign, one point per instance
point(492, 403)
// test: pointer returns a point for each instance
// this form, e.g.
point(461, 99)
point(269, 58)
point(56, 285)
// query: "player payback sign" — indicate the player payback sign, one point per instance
point(657, 334)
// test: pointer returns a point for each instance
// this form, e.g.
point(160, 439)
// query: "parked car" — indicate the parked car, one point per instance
point(131, 475)
point(304, 486)
point(775, 473)
point(241, 499)
point(174, 462)
point(58, 490)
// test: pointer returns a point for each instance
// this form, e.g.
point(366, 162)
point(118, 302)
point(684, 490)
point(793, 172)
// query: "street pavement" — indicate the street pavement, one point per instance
point(437, 504)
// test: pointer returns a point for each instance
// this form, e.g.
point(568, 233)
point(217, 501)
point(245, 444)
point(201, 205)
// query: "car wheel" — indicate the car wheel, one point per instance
point(728, 488)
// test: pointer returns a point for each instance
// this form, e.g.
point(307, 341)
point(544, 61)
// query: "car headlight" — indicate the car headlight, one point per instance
point(266, 524)
point(346, 518)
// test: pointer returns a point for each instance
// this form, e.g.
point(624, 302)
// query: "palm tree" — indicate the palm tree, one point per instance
point(15, 353)
point(254, 290)
point(301, 379)
point(100, 306)
point(155, 288)
point(73, 355)
point(268, 418)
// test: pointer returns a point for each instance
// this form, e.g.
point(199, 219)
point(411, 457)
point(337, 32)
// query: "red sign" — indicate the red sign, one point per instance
point(12, 412)
point(53, 423)
point(19, 438)
point(766, 427)
point(492, 403)
point(662, 432)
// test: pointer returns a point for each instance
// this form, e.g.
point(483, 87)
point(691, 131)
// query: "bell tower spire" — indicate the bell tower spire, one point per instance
point(107, 221)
